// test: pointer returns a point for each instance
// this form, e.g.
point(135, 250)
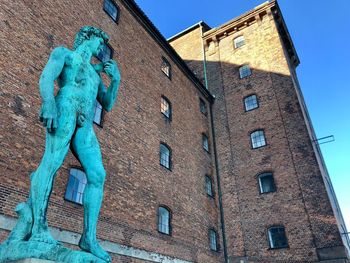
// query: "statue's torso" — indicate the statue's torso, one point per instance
point(78, 84)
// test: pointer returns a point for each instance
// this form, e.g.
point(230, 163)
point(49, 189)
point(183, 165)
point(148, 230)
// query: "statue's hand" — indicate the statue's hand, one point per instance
point(111, 69)
point(48, 115)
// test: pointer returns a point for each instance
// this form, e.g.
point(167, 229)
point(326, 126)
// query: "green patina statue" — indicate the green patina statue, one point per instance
point(68, 118)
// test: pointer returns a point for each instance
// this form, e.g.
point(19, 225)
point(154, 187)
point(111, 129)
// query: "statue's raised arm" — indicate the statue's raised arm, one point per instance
point(107, 97)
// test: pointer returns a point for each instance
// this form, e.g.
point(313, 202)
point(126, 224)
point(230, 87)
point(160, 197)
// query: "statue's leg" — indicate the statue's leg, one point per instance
point(85, 146)
point(56, 148)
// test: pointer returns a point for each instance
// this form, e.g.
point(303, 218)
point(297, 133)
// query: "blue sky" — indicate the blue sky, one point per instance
point(321, 34)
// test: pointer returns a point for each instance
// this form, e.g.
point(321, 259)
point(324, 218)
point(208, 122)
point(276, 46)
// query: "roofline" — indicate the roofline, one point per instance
point(147, 24)
point(251, 17)
point(185, 31)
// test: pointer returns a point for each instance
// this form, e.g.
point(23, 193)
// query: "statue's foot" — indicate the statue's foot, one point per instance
point(94, 248)
point(44, 237)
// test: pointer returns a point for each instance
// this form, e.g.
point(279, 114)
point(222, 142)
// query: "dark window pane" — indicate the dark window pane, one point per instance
point(258, 139)
point(277, 237)
point(266, 183)
point(98, 113)
point(213, 240)
point(203, 106)
point(205, 142)
point(239, 41)
point(165, 67)
point(105, 54)
point(76, 185)
point(164, 156)
point(165, 107)
point(163, 220)
point(111, 8)
point(244, 71)
point(251, 102)
point(208, 186)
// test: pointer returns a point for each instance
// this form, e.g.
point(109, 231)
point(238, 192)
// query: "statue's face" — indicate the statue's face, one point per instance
point(95, 44)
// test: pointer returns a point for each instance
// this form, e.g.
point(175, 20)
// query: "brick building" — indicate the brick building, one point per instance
point(210, 153)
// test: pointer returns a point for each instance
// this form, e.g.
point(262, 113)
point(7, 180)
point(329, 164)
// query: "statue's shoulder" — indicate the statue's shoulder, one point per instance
point(60, 51)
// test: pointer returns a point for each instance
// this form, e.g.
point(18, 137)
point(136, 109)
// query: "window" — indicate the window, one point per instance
point(165, 67)
point(244, 71)
point(111, 9)
point(164, 217)
point(213, 240)
point(98, 113)
point(165, 156)
point(251, 102)
point(106, 53)
point(203, 107)
point(258, 139)
point(239, 41)
point(76, 185)
point(165, 107)
point(205, 142)
point(266, 183)
point(277, 237)
point(209, 186)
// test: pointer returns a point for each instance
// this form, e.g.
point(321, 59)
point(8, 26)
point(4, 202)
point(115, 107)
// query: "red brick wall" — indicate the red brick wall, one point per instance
point(136, 184)
point(300, 203)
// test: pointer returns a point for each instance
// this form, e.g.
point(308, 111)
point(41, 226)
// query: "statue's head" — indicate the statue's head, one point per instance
point(94, 35)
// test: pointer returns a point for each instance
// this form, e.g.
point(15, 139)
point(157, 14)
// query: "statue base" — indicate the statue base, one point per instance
point(33, 260)
point(25, 251)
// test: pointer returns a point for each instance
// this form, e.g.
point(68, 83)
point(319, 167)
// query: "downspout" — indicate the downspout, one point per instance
point(222, 220)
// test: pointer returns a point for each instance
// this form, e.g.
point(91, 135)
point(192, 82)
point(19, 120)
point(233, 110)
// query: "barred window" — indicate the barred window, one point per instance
point(165, 156)
point(244, 71)
point(203, 107)
point(266, 183)
point(111, 9)
point(106, 53)
point(98, 113)
point(205, 142)
point(277, 237)
point(258, 139)
point(209, 186)
point(164, 220)
point(239, 41)
point(166, 68)
point(76, 185)
point(251, 102)
point(165, 107)
point(213, 240)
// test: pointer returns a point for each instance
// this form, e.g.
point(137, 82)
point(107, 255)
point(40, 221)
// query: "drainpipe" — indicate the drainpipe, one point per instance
point(222, 220)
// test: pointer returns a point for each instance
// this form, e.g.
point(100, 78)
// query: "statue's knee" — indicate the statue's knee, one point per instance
point(97, 177)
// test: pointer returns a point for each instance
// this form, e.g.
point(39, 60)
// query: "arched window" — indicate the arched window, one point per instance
point(164, 220)
point(98, 113)
point(166, 68)
point(239, 41)
point(277, 237)
point(111, 9)
point(251, 102)
point(266, 183)
point(205, 142)
point(258, 139)
point(203, 107)
point(244, 71)
point(213, 240)
point(209, 186)
point(165, 107)
point(76, 185)
point(165, 156)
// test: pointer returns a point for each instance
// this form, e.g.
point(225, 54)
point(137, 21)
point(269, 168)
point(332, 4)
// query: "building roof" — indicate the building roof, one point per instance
point(147, 24)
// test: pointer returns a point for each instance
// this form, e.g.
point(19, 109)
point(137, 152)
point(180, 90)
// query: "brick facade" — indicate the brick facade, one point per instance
point(136, 184)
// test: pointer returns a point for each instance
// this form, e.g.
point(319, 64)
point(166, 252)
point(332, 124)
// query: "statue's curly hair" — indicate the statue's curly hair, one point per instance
point(86, 32)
